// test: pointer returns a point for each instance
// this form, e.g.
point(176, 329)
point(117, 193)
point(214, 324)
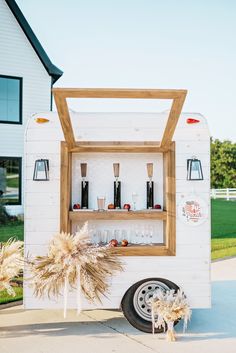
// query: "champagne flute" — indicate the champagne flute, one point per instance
point(137, 235)
point(142, 233)
point(117, 235)
point(124, 235)
point(151, 232)
point(93, 235)
point(105, 235)
point(134, 199)
point(98, 236)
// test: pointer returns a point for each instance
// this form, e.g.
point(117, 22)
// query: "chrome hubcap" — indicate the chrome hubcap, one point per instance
point(143, 295)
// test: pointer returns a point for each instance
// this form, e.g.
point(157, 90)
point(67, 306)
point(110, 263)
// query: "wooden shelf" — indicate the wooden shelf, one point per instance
point(82, 216)
point(118, 147)
point(144, 250)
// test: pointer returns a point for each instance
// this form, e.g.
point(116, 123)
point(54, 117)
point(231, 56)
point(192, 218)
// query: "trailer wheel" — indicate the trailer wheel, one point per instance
point(136, 306)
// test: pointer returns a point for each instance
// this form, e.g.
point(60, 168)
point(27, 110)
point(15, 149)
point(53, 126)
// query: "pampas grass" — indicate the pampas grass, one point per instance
point(72, 257)
point(167, 308)
point(11, 263)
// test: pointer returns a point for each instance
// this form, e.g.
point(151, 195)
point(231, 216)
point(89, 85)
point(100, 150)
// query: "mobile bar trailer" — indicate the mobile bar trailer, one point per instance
point(168, 244)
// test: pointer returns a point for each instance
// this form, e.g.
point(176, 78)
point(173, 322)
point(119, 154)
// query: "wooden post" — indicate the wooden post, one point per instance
point(227, 194)
point(173, 118)
point(65, 188)
point(170, 199)
point(64, 116)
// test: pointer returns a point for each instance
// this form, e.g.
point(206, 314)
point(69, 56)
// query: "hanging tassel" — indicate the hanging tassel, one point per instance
point(170, 335)
point(78, 291)
point(153, 322)
point(65, 295)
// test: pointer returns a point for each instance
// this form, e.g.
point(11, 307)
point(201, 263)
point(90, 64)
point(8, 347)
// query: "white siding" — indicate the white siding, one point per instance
point(18, 58)
point(190, 268)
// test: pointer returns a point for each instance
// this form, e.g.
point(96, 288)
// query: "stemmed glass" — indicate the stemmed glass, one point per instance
point(118, 235)
point(94, 236)
point(143, 233)
point(98, 236)
point(105, 236)
point(124, 234)
point(150, 234)
point(137, 235)
point(134, 199)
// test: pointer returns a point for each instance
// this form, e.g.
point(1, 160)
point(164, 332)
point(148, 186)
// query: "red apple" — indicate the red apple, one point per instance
point(157, 207)
point(111, 206)
point(127, 206)
point(113, 242)
point(124, 242)
point(76, 206)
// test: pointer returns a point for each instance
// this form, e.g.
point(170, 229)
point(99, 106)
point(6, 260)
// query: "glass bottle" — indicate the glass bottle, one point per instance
point(150, 186)
point(117, 186)
point(84, 186)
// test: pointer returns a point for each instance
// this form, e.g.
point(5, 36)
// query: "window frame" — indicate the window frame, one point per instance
point(20, 179)
point(20, 79)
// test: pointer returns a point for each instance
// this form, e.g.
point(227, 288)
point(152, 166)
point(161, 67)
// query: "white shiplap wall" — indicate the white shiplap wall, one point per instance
point(190, 268)
point(18, 58)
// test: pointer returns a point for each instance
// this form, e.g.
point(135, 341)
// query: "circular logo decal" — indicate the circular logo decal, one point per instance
point(193, 210)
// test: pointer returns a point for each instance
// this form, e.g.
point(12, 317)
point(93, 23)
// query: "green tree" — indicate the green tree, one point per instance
point(223, 164)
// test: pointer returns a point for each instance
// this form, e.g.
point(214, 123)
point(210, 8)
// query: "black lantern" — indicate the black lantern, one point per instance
point(194, 169)
point(41, 170)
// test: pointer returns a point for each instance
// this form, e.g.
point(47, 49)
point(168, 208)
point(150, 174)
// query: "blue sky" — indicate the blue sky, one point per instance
point(145, 44)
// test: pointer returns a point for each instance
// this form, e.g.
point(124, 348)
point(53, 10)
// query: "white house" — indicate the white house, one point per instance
point(26, 78)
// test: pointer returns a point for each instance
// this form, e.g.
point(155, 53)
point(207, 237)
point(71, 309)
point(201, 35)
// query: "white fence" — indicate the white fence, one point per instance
point(228, 194)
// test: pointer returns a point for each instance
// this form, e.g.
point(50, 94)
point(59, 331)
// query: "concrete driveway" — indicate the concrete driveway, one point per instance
point(41, 331)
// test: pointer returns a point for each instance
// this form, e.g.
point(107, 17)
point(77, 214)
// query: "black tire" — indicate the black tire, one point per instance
point(131, 314)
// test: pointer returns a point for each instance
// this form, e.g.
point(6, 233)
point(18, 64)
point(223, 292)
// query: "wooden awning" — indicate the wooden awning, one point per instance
point(61, 94)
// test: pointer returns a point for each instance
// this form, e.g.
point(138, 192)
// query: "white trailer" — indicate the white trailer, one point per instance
point(168, 248)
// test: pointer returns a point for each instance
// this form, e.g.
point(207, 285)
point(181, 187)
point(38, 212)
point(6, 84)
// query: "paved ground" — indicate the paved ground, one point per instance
point(38, 331)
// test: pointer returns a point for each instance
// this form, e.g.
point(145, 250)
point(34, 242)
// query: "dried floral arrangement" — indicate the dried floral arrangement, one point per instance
point(167, 308)
point(73, 262)
point(11, 263)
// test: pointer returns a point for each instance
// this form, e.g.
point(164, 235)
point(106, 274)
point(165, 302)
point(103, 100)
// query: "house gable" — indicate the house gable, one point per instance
point(52, 70)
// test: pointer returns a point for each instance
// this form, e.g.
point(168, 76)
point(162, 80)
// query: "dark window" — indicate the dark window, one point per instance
point(10, 180)
point(10, 100)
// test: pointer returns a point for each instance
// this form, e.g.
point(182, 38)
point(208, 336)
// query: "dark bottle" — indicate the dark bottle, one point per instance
point(117, 193)
point(150, 194)
point(84, 194)
point(117, 185)
point(84, 186)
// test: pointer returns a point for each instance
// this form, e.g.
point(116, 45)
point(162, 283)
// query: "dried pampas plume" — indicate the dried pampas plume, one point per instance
point(11, 263)
point(73, 261)
point(167, 308)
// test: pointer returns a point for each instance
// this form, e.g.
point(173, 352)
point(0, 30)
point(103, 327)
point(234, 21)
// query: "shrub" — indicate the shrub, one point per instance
point(4, 216)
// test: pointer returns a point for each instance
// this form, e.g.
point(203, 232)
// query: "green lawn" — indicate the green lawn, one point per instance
point(6, 298)
point(13, 182)
point(13, 229)
point(223, 242)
